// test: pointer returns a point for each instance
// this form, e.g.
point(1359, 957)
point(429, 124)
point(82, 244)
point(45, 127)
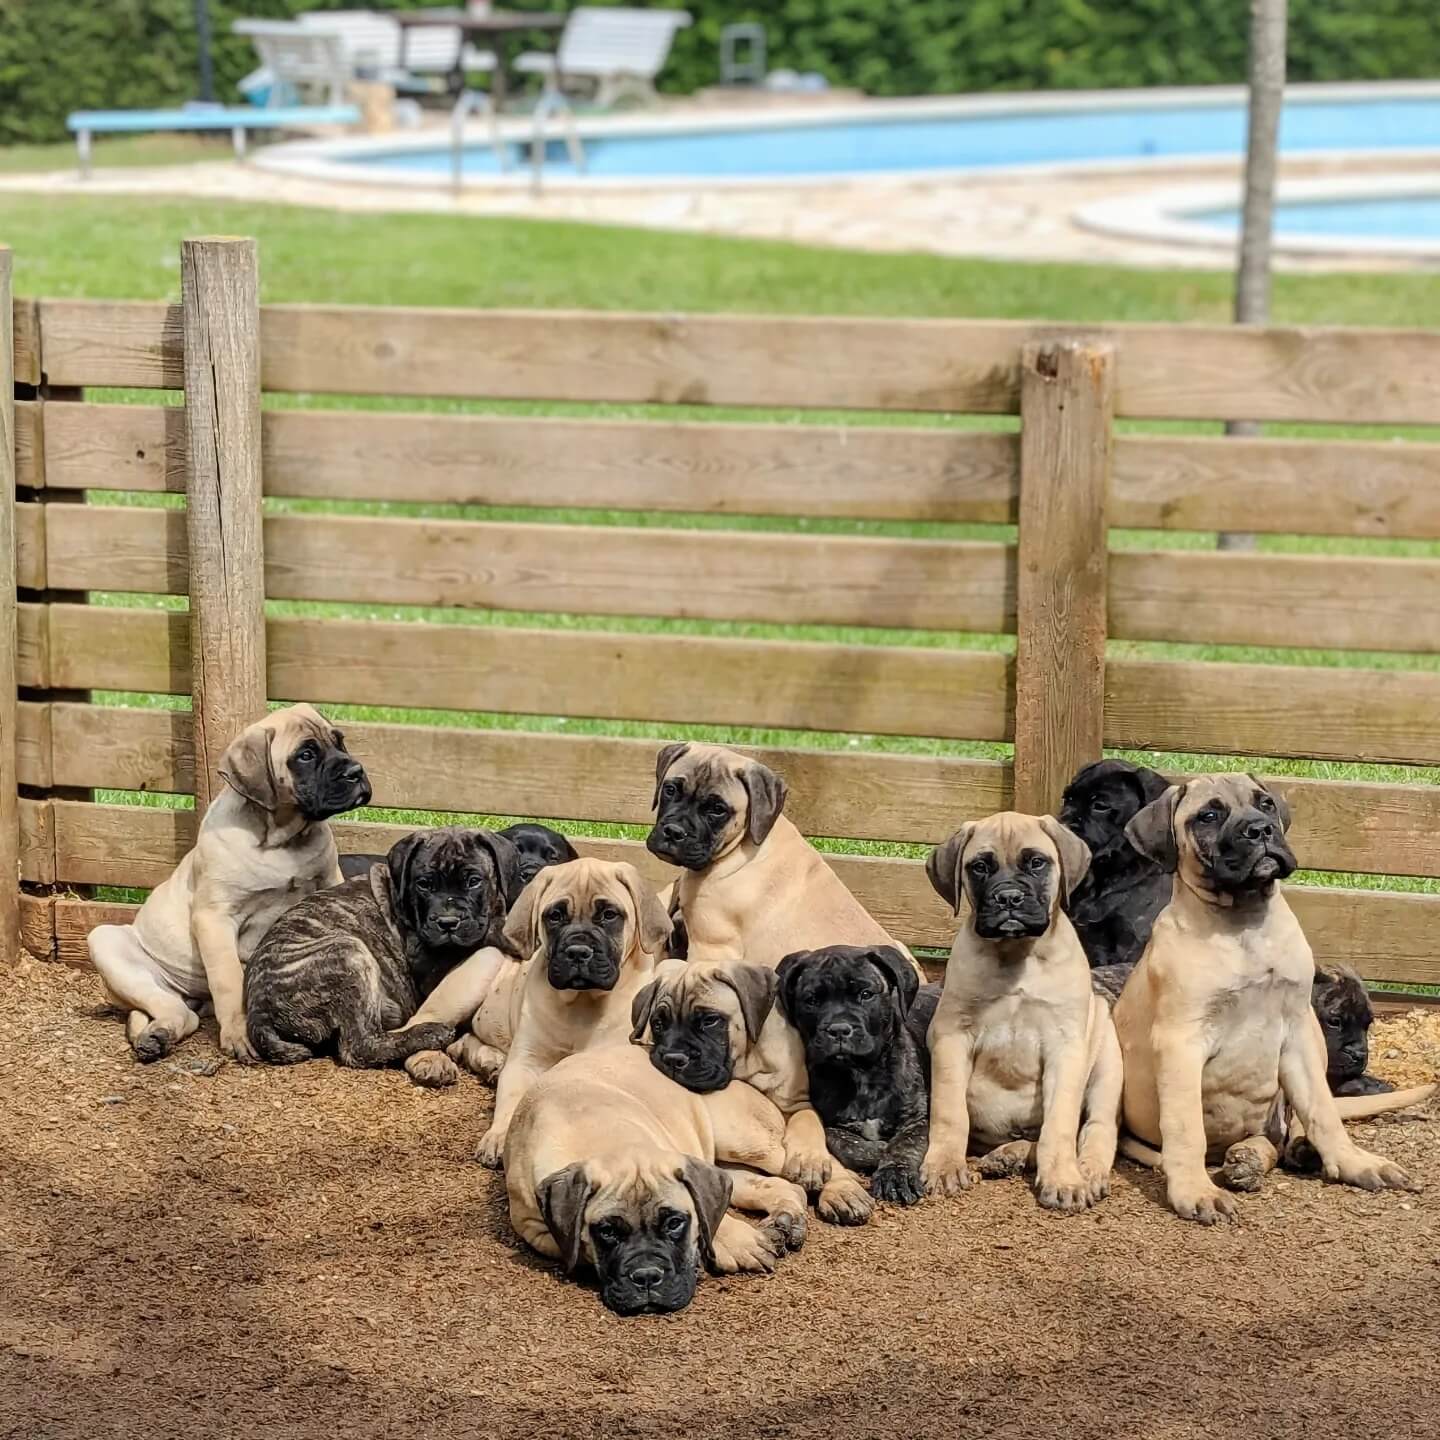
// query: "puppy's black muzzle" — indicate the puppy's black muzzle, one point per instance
point(339, 784)
point(1010, 907)
point(678, 840)
point(1252, 854)
point(843, 1032)
point(647, 1280)
point(448, 925)
point(583, 957)
point(694, 1061)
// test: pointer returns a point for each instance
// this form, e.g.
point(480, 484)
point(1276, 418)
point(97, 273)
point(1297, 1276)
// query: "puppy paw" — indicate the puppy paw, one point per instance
point(746, 1250)
point(810, 1171)
point(1097, 1182)
point(897, 1184)
point(1244, 1169)
point(844, 1201)
point(1067, 1191)
point(491, 1150)
point(785, 1229)
point(432, 1069)
point(946, 1173)
point(1368, 1171)
point(153, 1043)
point(1205, 1203)
point(478, 1058)
point(235, 1043)
point(1004, 1161)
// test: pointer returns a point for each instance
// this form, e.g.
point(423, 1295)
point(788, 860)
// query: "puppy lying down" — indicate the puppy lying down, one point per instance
point(609, 1164)
point(344, 969)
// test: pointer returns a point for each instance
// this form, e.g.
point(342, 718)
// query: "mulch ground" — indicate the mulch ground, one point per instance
point(202, 1249)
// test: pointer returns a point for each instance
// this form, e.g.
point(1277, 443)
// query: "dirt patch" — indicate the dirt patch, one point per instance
point(1405, 1049)
point(306, 1253)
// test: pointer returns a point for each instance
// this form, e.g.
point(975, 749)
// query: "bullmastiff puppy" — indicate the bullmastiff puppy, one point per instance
point(1024, 1060)
point(712, 1022)
point(611, 1164)
point(263, 845)
point(1216, 1023)
point(753, 888)
point(594, 931)
point(343, 969)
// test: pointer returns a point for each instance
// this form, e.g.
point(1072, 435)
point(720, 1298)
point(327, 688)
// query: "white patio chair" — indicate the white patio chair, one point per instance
point(619, 50)
point(374, 44)
point(302, 63)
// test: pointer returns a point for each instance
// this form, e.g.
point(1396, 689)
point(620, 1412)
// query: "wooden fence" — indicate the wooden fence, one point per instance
point(1064, 478)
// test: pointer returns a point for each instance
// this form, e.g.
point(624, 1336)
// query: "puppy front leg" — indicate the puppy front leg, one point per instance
point(946, 1170)
point(216, 936)
point(452, 1002)
point(897, 1176)
point(1059, 1182)
point(520, 1073)
point(1100, 1133)
point(781, 1202)
point(1179, 1067)
point(1302, 1078)
point(807, 1161)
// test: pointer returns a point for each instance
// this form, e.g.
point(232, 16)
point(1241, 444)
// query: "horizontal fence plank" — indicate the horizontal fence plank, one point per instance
point(569, 777)
point(1387, 937)
point(96, 446)
point(34, 745)
point(32, 648)
point(37, 841)
point(1310, 712)
point(1363, 828)
point(1165, 371)
point(29, 445)
point(869, 689)
point(1382, 489)
point(30, 545)
point(26, 340)
point(785, 579)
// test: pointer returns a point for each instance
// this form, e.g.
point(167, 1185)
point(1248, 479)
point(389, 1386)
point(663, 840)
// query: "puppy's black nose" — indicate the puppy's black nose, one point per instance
point(1009, 895)
point(839, 1030)
point(354, 772)
point(673, 833)
point(578, 952)
point(447, 923)
point(646, 1277)
point(1259, 830)
point(675, 1059)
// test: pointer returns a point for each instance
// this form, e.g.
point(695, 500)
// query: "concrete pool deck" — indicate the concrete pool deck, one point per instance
point(1029, 216)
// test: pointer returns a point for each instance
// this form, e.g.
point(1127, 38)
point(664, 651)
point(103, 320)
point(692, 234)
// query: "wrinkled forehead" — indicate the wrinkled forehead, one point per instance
point(294, 725)
point(1008, 836)
point(701, 988)
point(1234, 792)
point(584, 882)
point(639, 1192)
point(453, 850)
point(709, 770)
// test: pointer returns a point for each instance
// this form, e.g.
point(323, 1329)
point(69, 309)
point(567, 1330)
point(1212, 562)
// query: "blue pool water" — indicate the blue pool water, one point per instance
point(899, 143)
point(1404, 217)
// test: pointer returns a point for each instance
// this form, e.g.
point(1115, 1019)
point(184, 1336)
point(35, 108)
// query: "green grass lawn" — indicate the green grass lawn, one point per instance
point(111, 152)
point(118, 248)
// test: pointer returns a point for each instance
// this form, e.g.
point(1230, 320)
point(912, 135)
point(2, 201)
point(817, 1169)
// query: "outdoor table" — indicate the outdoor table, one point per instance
point(494, 29)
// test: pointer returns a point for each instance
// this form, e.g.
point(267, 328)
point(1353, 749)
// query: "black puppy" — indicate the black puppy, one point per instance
point(869, 1075)
point(1115, 904)
point(1346, 1016)
point(536, 845)
point(344, 968)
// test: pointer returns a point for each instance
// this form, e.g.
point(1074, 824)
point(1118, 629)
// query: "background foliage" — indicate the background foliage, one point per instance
point(63, 55)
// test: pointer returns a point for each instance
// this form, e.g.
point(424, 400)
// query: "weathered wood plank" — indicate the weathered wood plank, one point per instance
point(36, 834)
point(30, 444)
point(34, 745)
point(97, 446)
point(1164, 371)
point(23, 344)
point(29, 546)
point(37, 929)
point(569, 777)
point(32, 647)
point(1067, 400)
point(11, 540)
point(220, 285)
point(869, 689)
point(785, 579)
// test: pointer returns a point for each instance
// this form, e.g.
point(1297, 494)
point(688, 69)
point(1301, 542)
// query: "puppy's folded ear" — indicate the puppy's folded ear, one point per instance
point(563, 1197)
point(767, 792)
point(400, 862)
point(567, 850)
point(1074, 853)
point(245, 767)
point(640, 1008)
point(1150, 784)
point(899, 972)
point(522, 924)
point(709, 1188)
point(653, 923)
point(943, 866)
point(668, 755)
point(507, 863)
point(1152, 830)
point(787, 977)
point(1282, 805)
point(754, 987)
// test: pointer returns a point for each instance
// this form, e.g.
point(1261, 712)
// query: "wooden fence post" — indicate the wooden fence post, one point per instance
point(1067, 406)
point(9, 699)
point(220, 292)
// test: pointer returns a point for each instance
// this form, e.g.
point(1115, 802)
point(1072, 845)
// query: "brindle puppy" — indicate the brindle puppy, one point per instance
point(869, 1075)
point(345, 968)
point(1115, 905)
point(1339, 1000)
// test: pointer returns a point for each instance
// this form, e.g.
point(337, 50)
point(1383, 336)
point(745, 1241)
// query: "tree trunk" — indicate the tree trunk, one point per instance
point(1252, 275)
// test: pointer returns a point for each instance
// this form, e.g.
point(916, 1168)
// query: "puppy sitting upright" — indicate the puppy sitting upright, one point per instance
point(752, 888)
point(867, 1069)
point(345, 968)
point(1114, 906)
point(263, 845)
point(594, 930)
point(1021, 1050)
point(1216, 1023)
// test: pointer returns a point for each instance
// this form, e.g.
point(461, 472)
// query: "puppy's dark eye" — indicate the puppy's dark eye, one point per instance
point(1036, 864)
point(474, 882)
point(712, 1019)
point(1265, 802)
point(607, 914)
point(1207, 817)
point(424, 884)
point(308, 753)
point(718, 808)
point(675, 1224)
point(607, 1233)
point(1100, 807)
point(979, 868)
point(661, 1017)
point(669, 790)
point(556, 914)
point(866, 996)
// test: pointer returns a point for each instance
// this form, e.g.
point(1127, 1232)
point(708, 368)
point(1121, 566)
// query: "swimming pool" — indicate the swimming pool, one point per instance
point(907, 137)
point(1412, 217)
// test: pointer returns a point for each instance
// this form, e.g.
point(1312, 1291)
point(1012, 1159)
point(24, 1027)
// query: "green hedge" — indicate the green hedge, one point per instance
point(63, 55)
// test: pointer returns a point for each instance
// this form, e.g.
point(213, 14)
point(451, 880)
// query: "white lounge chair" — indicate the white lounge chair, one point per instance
point(617, 49)
point(298, 63)
point(375, 45)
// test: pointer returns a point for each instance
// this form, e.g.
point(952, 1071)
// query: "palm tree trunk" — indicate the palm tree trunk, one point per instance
point(1252, 275)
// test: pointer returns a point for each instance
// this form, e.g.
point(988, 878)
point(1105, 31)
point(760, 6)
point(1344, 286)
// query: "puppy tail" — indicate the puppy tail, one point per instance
point(1139, 1152)
point(1362, 1107)
point(276, 1049)
point(361, 1049)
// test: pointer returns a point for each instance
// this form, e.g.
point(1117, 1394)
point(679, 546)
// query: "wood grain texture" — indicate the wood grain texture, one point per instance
point(98, 446)
point(10, 541)
point(28, 530)
point(30, 444)
point(23, 318)
point(220, 286)
point(1387, 937)
point(1067, 408)
point(34, 744)
point(32, 647)
point(37, 930)
point(36, 832)
point(784, 579)
point(1163, 371)
point(568, 777)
